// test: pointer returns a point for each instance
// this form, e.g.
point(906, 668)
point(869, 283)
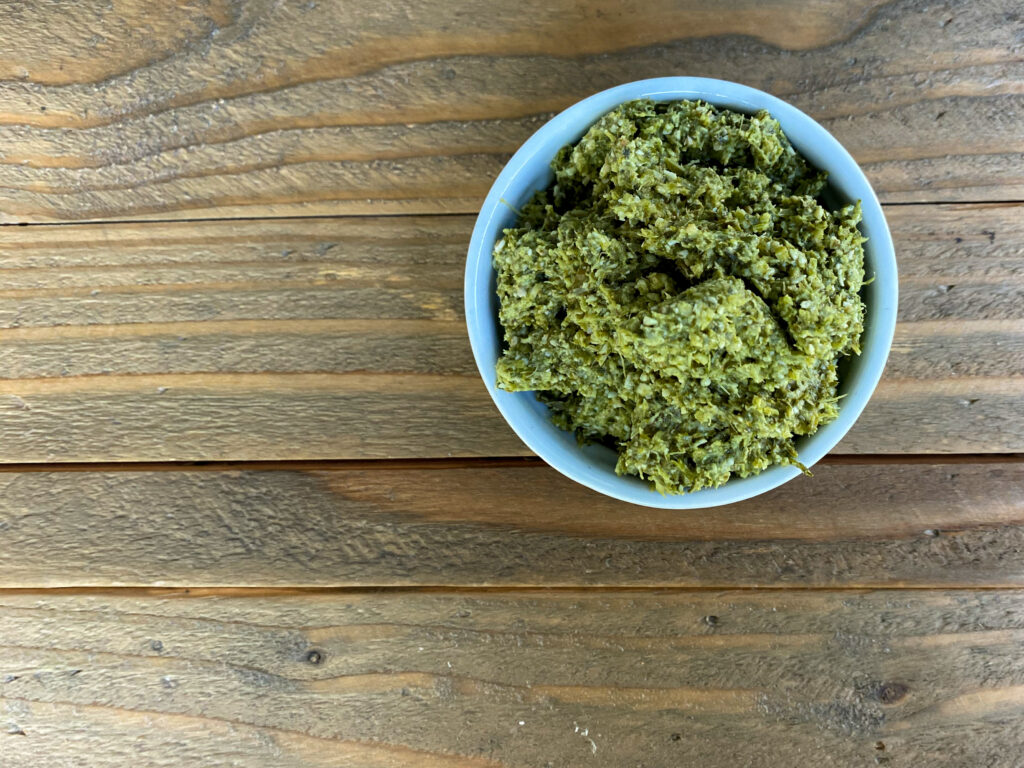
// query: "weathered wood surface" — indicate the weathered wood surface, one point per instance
point(119, 110)
point(227, 338)
point(516, 679)
point(343, 338)
point(849, 526)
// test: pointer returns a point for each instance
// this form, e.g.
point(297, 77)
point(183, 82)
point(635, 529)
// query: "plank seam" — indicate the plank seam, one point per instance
point(489, 462)
point(393, 215)
point(235, 592)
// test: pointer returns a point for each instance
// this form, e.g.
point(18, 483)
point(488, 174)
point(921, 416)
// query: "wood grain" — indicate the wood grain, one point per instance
point(848, 526)
point(514, 679)
point(344, 338)
point(257, 108)
point(216, 333)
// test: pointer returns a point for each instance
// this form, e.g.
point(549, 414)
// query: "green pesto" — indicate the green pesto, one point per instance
point(681, 294)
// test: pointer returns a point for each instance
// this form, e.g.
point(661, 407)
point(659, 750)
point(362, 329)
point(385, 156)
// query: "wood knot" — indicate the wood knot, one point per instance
point(890, 693)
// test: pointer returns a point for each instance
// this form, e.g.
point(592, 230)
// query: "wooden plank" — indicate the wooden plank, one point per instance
point(251, 340)
point(344, 338)
point(849, 526)
point(253, 109)
point(480, 680)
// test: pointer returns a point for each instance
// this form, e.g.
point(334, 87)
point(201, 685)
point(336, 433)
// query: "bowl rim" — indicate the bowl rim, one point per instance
point(817, 145)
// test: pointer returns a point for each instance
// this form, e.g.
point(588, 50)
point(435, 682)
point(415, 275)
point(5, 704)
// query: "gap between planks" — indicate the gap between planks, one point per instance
point(316, 465)
point(526, 590)
point(401, 214)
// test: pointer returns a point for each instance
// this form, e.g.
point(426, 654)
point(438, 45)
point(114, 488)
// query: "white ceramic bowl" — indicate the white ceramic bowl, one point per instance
point(528, 171)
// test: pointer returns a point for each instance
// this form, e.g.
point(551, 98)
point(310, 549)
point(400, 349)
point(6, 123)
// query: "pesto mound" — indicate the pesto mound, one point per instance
point(681, 293)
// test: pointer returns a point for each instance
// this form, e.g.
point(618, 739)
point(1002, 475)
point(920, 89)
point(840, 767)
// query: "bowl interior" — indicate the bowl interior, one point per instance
point(529, 171)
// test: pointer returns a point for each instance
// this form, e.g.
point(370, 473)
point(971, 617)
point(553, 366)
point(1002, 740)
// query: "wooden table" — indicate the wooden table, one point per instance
point(258, 510)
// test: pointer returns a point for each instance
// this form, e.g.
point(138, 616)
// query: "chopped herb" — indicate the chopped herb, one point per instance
point(681, 293)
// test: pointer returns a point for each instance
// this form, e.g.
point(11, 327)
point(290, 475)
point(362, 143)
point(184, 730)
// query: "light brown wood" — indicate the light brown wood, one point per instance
point(259, 108)
point(344, 338)
point(848, 526)
point(478, 680)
